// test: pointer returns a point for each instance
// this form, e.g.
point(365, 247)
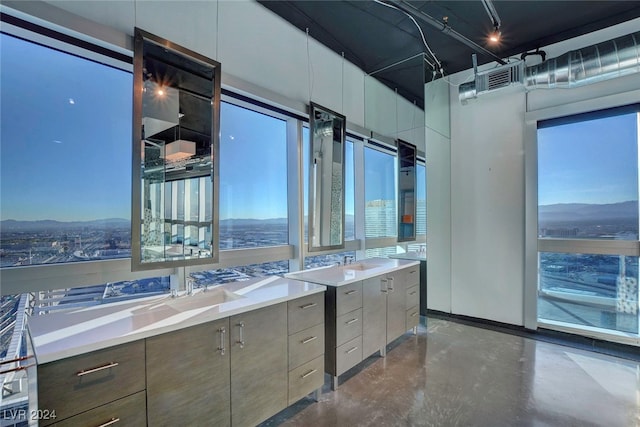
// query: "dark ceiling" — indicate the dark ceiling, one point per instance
point(374, 36)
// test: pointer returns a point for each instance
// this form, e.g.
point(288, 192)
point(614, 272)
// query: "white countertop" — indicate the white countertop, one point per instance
point(59, 335)
point(420, 256)
point(345, 274)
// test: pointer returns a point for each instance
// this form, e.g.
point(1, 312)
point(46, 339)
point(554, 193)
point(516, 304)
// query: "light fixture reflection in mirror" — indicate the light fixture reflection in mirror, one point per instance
point(326, 179)
point(175, 155)
point(406, 191)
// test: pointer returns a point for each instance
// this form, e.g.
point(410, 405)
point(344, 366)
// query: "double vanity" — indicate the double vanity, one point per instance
point(235, 354)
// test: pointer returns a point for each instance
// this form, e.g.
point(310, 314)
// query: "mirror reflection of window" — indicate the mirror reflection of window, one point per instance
point(406, 191)
point(176, 115)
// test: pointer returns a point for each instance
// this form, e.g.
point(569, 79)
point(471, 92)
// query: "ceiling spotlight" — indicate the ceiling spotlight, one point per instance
point(494, 37)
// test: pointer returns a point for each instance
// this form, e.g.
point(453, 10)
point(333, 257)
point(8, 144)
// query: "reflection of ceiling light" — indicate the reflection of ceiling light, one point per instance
point(160, 92)
point(179, 150)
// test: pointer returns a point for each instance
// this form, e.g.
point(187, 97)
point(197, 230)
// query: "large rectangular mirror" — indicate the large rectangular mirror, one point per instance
point(326, 179)
point(406, 191)
point(176, 122)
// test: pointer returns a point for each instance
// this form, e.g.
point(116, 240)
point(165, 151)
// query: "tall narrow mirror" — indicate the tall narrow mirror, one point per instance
point(326, 179)
point(176, 121)
point(406, 191)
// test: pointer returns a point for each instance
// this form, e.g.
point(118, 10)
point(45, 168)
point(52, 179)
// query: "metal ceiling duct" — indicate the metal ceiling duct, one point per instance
point(603, 61)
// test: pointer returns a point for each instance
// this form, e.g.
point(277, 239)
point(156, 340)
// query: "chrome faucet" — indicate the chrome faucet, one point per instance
point(348, 259)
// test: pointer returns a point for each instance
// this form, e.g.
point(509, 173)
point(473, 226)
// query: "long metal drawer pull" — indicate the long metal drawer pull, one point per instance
point(351, 321)
point(309, 340)
point(110, 422)
point(98, 369)
point(412, 271)
point(412, 293)
point(390, 284)
point(383, 285)
point(414, 314)
point(352, 350)
point(241, 340)
point(223, 332)
point(312, 304)
point(311, 372)
point(351, 292)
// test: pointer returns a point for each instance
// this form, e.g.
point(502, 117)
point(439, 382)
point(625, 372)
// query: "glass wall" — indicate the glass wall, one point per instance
point(253, 179)
point(587, 194)
point(65, 172)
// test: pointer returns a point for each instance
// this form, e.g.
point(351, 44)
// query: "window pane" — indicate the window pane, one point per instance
point(380, 194)
point(244, 272)
point(328, 259)
point(590, 290)
point(588, 179)
point(65, 171)
point(253, 179)
point(383, 252)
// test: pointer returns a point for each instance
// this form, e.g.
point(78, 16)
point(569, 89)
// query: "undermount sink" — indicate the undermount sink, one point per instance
point(201, 299)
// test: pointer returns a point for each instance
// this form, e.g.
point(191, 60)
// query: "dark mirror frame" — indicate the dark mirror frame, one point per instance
point(341, 131)
point(180, 59)
point(407, 185)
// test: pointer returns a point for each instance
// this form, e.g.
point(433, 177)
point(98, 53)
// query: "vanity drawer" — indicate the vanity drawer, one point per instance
point(413, 316)
point(129, 411)
point(413, 296)
point(348, 326)
point(306, 345)
point(348, 298)
point(412, 276)
point(348, 355)
point(305, 312)
point(76, 384)
point(305, 379)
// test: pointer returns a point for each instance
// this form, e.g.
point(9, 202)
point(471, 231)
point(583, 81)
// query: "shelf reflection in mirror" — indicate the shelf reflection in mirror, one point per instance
point(326, 179)
point(175, 155)
point(406, 191)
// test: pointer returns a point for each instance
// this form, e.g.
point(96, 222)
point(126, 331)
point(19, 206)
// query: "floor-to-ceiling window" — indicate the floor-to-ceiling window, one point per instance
point(588, 220)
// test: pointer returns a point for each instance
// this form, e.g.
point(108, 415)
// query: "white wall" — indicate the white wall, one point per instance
point(488, 137)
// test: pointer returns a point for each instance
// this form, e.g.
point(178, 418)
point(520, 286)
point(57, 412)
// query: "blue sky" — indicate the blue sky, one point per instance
point(593, 161)
point(50, 169)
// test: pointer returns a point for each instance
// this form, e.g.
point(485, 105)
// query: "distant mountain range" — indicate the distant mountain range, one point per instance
point(46, 224)
point(581, 212)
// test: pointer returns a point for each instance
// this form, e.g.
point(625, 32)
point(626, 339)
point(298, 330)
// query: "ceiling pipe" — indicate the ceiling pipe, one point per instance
point(443, 27)
point(603, 61)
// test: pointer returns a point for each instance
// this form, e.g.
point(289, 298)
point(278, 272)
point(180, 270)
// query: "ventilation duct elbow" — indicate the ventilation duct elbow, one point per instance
point(603, 61)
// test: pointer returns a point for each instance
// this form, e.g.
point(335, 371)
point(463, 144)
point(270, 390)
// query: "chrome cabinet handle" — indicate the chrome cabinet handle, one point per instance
point(383, 285)
point(390, 284)
point(308, 340)
point(312, 304)
point(241, 340)
point(412, 293)
point(351, 350)
point(414, 314)
point(223, 332)
point(98, 369)
point(354, 320)
point(311, 372)
point(351, 292)
point(111, 422)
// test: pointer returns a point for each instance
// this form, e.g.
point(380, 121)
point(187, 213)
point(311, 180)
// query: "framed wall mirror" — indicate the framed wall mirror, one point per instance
point(176, 122)
point(326, 179)
point(406, 191)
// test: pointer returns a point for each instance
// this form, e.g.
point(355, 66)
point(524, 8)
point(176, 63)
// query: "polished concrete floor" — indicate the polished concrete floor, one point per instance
point(452, 374)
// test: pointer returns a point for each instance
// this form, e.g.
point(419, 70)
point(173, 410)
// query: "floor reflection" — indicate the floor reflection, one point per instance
point(453, 374)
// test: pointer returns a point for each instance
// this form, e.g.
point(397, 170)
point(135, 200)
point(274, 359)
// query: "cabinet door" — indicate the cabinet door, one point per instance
point(374, 315)
point(188, 376)
point(259, 368)
point(396, 305)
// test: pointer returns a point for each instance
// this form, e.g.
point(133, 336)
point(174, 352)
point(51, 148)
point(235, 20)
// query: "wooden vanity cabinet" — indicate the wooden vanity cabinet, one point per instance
point(188, 379)
point(71, 386)
point(259, 365)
